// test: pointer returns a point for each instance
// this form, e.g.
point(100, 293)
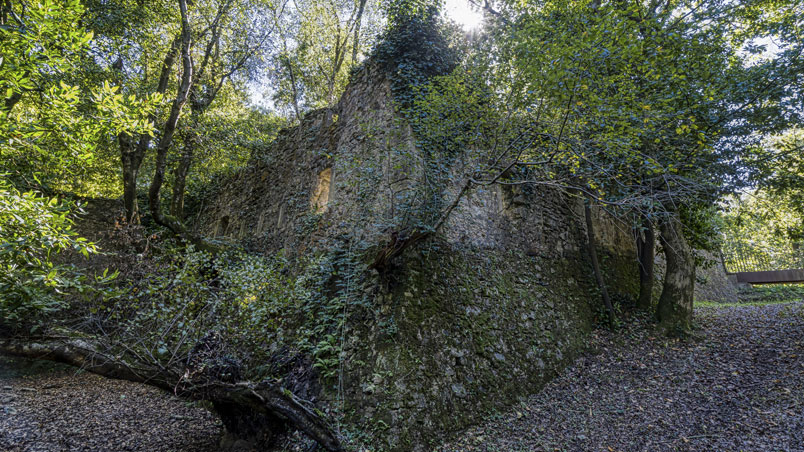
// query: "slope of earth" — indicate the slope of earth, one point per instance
point(739, 386)
point(46, 408)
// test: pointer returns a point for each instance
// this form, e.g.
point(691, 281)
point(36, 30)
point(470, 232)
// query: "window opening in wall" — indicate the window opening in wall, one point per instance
point(223, 225)
point(321, 194)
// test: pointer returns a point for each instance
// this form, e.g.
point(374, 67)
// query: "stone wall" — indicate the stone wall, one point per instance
point(711, 282)
point(357, 168)
point(486, 311)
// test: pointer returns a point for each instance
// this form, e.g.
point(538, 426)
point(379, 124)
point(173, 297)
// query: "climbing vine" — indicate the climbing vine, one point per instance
point(414, 48)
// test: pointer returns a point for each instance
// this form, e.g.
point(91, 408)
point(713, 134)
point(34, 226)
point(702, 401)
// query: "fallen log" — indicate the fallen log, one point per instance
point(265, 400)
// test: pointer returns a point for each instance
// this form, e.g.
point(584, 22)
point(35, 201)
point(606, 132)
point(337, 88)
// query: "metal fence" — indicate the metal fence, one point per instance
point(740, 257)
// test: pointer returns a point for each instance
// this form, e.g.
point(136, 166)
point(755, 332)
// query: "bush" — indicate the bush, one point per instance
point(33, 229)
point(260, 310)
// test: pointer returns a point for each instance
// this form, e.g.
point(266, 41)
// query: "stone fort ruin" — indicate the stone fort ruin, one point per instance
point(483, 312)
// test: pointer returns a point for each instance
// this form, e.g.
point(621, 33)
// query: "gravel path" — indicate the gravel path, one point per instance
point(739, 387)
point(49, 408)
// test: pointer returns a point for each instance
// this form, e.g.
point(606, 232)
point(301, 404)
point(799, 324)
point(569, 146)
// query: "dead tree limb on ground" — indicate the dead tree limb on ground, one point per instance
point(261, 398)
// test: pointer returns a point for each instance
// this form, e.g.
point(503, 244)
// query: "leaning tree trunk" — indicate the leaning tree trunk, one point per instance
point(197, 108)
point(251, 412)
point(166, 140)
point(592, 244)
point(674, 312)
point(358, 22)
point(646, 242)
point(169, 129)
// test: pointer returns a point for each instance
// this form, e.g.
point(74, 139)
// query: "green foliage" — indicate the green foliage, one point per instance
point(702, 221)
point(641, 107)
point(49, 128)
point(48, 132)
point(225, 139)
point(455, 113)
point(264, 309)
point(763, 230)
point(320, 43)
point(42, 38)
point(779, 165)
point(33, 231)
point(772, 293)
point(634, 104)
point(415, 48)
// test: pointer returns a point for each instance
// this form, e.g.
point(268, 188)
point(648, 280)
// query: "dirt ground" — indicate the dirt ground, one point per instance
point(46, 407)
point(737, 386)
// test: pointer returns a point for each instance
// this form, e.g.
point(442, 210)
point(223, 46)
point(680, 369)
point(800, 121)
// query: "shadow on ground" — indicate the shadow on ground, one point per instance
point(46, 407)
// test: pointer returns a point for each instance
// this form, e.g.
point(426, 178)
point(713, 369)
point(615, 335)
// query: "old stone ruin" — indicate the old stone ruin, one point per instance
point(481, 312)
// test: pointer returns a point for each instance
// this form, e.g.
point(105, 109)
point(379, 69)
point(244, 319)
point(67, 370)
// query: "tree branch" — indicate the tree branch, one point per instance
point(264, 397)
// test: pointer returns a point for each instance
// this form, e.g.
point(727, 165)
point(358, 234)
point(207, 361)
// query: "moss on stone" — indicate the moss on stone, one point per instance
point(476, 330)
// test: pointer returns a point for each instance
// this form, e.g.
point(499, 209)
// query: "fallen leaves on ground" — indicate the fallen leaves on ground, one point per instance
point(47, 409)
point(738, 386)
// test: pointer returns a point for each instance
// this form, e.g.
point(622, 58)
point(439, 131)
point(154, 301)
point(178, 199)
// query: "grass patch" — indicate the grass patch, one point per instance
point(714, 304)
point(772, 292)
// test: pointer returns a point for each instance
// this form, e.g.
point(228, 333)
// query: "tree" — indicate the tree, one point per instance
point(51, 128)
point(57, 125)
point(779, 168)
point(131, 51)
point(48, 132)
point(320, 41)
point(229, 40)
point(235, 38)
point(34, 230)
point(646, 245)
point(641, 107)
point(762, 229)
point(674, 310)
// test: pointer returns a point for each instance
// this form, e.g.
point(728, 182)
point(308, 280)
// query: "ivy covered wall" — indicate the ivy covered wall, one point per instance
point(485, 311)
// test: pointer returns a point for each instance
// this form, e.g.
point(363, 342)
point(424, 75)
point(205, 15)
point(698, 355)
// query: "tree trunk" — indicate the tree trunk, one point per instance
point(131, 157)
point(674, 311)
point(400, 241)
point(358, 23)
point(246, 427)
point(166, 140)
point(11, 101)
point(183, 168)
point(170, 125)
point(646, 243)
point(294, 90)
point(130, 190)
point(592, 244)
point(251, 412)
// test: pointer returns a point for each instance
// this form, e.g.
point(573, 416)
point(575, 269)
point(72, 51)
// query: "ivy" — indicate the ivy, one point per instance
point(413, 49)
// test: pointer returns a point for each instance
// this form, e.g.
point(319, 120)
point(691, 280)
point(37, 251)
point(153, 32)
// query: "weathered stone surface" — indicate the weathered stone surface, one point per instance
point(467, 322)
point(711, 281)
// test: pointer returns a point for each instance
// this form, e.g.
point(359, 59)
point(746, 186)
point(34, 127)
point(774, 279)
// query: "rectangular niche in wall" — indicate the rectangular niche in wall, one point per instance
point(321, 194)
point(221, 226)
